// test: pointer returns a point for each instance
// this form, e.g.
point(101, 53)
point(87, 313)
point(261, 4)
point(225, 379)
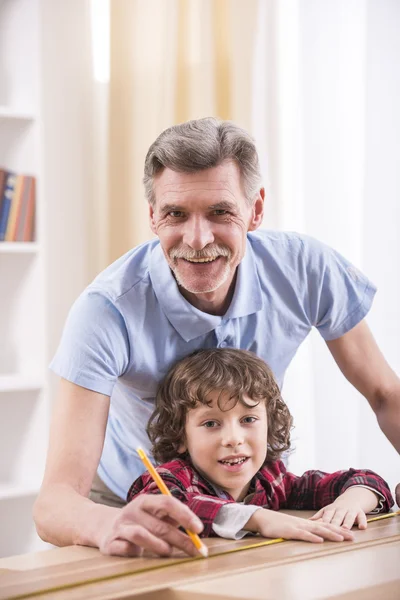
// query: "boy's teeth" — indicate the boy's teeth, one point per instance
point(233, 461)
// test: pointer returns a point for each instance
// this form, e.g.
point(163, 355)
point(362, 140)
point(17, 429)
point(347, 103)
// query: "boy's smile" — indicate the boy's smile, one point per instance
point(227, 446)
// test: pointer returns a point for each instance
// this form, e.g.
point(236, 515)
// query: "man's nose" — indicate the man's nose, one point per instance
point(198, 233)
point(232, 436)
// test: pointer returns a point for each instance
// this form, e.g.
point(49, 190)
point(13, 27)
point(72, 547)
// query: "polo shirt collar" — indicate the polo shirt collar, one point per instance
point(190, 322)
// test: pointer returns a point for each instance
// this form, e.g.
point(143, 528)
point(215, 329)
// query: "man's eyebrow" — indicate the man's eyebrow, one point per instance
point(223, 205)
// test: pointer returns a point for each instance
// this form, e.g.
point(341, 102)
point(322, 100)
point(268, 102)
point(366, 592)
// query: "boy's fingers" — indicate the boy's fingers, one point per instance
point(307, 536)
point(349, 519)
point(328, 515)
point(344, 533)
point(317, 515)
point(329, 534)
point(362, 520)
point(339, 517)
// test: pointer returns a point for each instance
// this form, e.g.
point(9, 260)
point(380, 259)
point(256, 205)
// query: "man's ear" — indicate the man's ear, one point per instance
point(257, 211)
point(152, 219)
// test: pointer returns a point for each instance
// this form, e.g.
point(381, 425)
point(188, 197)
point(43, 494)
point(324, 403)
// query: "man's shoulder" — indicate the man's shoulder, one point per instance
point(283, 242)
point(289, 254)
point(125, 273)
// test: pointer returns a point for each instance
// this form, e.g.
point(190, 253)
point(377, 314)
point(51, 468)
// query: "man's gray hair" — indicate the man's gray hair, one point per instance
point(202, 144)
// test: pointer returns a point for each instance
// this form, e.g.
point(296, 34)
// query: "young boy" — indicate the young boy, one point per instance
point(219, 428)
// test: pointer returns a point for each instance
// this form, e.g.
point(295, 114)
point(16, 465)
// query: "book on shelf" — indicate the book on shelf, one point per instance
point(6, 200)
point(17, 207)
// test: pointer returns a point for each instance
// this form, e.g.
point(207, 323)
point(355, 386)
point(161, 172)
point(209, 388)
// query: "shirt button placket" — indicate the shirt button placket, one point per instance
point(223, 337)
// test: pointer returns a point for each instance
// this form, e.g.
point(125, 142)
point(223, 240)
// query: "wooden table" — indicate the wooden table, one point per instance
point(366, 569)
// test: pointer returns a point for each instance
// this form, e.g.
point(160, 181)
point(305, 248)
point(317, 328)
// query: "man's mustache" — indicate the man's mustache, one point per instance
point(210, 252)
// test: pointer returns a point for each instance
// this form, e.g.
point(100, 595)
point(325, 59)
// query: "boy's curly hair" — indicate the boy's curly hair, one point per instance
point(191, 380)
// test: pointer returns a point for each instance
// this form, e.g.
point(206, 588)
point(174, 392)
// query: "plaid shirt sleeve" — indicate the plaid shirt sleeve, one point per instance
point(316, 489)
point(187, 486)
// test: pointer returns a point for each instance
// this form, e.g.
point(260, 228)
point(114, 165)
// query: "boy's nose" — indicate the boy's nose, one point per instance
point(232, 437)
point(198, 233)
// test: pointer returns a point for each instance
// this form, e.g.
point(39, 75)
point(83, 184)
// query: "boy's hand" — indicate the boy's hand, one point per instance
point(349, 508)
point(272, 524)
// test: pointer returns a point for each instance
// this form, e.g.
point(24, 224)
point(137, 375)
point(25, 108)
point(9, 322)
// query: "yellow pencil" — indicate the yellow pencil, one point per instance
point(202, 548)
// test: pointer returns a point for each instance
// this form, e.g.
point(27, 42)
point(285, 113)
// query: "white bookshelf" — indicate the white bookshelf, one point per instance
point(19, 383)
point(24, 398)
point(19, 248)
point(9, 492)
point(8, 113)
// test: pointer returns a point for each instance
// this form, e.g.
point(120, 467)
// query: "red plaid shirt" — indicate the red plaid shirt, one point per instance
point(272, 487)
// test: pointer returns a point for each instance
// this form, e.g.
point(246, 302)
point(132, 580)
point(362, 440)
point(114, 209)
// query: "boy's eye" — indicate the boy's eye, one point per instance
point(249, 419)
point(210, 424)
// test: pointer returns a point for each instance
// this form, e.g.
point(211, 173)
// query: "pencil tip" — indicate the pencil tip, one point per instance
point(203, 551)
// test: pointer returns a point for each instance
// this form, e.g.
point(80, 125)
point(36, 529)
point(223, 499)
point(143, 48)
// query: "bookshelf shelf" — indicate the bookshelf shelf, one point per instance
point(12, 491)
point(19, 247)
point(19, 383)
point(7, 113)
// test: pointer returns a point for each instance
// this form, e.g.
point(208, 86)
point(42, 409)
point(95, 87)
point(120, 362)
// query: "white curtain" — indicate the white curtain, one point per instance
point(326, 89)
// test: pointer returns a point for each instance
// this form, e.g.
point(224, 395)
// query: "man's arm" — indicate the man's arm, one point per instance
point(64, 515)
point(363, 364)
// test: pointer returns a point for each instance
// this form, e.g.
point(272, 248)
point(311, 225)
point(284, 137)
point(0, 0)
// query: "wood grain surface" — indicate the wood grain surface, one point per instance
point(78, 572)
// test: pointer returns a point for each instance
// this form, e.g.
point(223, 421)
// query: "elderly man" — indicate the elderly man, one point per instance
point(209, 280)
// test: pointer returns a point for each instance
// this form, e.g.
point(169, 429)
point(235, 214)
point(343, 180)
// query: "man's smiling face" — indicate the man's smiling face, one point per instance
point(202, 220)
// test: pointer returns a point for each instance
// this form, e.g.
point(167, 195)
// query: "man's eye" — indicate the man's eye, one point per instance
point(210, 424)
point(249, 419)
point(176, 214)
point(220, 212)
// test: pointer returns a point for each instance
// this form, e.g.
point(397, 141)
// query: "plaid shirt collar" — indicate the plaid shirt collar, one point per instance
point(257, 493)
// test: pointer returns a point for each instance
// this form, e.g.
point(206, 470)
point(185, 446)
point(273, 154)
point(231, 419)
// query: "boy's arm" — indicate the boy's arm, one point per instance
point(229, 519)
point(316, 489)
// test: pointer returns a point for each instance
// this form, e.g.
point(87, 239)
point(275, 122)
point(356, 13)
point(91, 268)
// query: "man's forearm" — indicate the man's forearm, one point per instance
point(388, 415)
point(63, 517)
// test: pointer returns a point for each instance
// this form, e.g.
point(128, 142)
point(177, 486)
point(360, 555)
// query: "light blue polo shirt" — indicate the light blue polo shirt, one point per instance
point(131, 324)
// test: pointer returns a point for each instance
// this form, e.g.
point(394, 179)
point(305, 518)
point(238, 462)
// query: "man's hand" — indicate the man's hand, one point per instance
point(272, 524)
point(349, 508)
point(149, 522)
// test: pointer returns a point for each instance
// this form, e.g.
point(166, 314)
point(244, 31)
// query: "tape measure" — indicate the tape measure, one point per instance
point(169, 563)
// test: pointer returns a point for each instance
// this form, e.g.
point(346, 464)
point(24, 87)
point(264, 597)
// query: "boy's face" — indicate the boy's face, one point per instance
point(227, 446)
